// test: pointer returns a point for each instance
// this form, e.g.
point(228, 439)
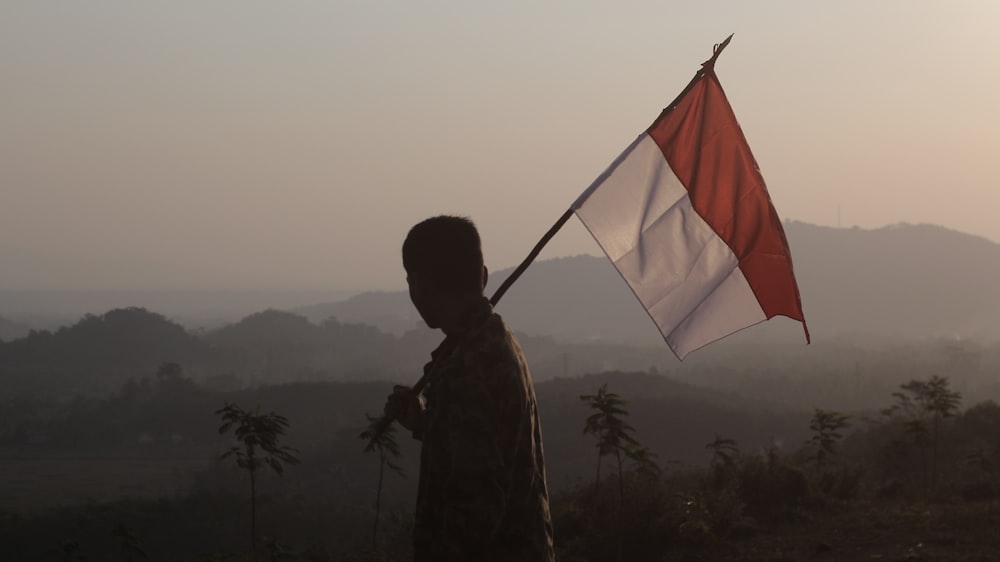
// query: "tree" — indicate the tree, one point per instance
point(614, 435)
point(131, 548)
point(724, 451)
point(170, 380)
point(826, 426)
point(924, 405)
point(645, 462)
point(259, 434)
point(69, 551)
point(388, 451)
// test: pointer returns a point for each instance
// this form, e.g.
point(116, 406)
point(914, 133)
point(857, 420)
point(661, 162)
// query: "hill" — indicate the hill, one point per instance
point(898, 282)
point(275, 345)
point(905, 280)
point(100, 355)
point(96, 354)
point(11, 330)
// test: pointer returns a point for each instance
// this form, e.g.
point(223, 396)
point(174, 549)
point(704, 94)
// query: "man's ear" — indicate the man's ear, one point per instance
point(486, 276)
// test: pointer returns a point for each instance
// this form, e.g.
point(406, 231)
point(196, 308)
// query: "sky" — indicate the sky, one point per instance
point(291, 145)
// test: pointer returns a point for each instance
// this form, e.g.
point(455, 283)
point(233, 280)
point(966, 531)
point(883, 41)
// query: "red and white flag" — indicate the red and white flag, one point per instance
point(686, 219)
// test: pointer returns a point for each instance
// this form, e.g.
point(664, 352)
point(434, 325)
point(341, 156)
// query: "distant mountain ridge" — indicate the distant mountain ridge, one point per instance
point(906, 280)
point(901, 281)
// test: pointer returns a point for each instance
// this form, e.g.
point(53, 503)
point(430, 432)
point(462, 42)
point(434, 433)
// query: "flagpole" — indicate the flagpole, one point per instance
point(531, 257)
point(387, 420)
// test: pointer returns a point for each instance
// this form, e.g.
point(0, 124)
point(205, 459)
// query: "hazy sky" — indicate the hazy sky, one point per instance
point(292, 144)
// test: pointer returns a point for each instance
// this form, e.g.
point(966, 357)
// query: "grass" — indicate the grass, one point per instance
point(37, 493)
point(946, 530)
point(40, 479)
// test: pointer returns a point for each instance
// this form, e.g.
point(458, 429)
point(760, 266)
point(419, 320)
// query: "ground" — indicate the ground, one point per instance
point(944, 530)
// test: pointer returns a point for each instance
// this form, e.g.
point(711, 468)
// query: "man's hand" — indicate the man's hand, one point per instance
point(405, 406)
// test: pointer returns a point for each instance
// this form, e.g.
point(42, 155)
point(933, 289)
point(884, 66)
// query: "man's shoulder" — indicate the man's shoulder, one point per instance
point(493, 344)
point(495, 335)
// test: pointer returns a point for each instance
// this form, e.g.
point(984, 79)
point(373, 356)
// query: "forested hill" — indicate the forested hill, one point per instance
point(95, 354)
point(100, 353)
point(897, 283)
point(11, 330)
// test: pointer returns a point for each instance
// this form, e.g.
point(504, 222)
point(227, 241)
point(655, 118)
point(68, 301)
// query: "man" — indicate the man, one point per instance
point(482, 493)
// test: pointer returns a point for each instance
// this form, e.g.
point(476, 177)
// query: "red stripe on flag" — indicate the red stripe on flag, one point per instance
point(706, 149)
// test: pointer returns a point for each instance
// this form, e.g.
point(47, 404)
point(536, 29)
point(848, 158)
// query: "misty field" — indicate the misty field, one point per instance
point(32, 480)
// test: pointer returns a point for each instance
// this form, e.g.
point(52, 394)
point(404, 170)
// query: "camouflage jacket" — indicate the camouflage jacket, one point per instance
point(482, 493)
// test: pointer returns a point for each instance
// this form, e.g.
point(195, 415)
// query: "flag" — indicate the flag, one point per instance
point(684, 215)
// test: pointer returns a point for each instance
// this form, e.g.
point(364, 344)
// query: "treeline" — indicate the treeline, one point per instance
point(170, 409)
point(100, 353)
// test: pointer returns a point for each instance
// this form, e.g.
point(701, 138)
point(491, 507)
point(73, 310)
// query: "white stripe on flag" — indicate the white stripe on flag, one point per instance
point(685, 276)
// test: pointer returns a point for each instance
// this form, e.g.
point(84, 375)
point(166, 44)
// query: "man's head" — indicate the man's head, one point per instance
point(443, 258)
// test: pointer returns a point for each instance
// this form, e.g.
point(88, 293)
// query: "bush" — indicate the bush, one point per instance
point(844, 483)
point(769, 487)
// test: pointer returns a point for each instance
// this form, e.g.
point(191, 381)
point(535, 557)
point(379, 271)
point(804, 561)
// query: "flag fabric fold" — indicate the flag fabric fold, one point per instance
point(684, 215)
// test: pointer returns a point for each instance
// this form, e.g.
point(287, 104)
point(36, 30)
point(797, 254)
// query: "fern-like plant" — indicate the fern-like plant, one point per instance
point(258, 434)
point(384, 442)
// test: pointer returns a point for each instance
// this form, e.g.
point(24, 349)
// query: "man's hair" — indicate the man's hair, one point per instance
point(446, 250)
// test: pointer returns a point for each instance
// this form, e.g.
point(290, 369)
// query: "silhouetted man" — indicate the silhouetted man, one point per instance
point(482, 493)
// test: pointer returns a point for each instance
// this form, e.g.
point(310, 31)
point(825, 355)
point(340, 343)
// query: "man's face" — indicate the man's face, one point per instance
point(424, 298)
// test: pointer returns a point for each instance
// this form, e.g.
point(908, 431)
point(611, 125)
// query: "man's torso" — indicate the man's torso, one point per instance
point(482, 487)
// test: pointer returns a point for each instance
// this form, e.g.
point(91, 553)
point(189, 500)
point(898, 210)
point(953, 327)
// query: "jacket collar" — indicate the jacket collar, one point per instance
point(474, 316)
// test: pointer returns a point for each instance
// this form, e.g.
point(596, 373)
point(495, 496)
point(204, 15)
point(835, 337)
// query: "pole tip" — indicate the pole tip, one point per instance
point(716, 51)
